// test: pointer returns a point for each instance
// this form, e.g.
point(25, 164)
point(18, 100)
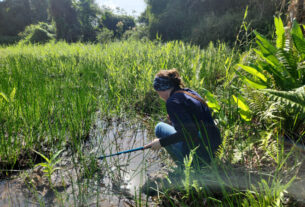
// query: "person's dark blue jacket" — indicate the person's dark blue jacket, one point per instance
point(193, 123)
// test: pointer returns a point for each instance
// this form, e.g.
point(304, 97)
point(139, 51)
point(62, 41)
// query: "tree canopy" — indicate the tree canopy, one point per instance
point(204, 21)
point(195, 21)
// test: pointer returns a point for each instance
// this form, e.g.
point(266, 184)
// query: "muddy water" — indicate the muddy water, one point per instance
point(117, 184)
point(125, 173)
point(11, 194)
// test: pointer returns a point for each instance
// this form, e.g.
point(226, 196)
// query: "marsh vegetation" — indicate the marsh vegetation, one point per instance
point(63, 105)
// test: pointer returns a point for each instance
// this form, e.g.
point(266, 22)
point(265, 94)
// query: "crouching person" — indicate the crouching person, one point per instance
point(191, 122)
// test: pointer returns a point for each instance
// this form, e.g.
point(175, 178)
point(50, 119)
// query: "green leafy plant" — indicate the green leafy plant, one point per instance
point(281, 66)
point(266, 195)
point(243, 107)
point(38, 33)
point(278, 71)
point(294, 99)
point(49, 164)
point(187, 182)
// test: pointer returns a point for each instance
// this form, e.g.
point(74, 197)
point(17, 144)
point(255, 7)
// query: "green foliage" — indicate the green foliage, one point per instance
point(265, 195)
point(294, 99)
point(87, 12)
point(216, 28)
point(39, 33)
point(105, 36)
point(51, 92)
point(211, 101)
point(49, 164)
point(139, 32)
point(278, 71)
point(203, 21)
point(118, 23)
point(243, 107)
point(3, 96)
point(16, 15)
point(187, 172)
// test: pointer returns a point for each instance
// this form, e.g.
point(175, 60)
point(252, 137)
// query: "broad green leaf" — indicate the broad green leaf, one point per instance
point(254, 72)
point(296, 30)
point(241, 103)
point(270, 59)
point(280, 32)
point(244, 109)
point(254, 84)
point(299, 43)
point(265, 43)
point(211, 100)
point(245, 115)
point(44, 157)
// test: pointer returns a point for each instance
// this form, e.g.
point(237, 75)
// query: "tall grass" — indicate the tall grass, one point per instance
point(56, 88)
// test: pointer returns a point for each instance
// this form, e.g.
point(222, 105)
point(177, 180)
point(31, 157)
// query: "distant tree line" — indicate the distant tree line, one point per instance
point(202, 21)
point(72, 20)
point(196, 21)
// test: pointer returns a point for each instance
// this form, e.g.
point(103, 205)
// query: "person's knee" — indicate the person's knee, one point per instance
point(158, 129)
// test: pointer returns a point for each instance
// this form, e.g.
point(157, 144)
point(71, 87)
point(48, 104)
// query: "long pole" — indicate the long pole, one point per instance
point(122, 152)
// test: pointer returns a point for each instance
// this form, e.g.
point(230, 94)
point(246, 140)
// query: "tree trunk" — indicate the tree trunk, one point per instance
point(296, 11)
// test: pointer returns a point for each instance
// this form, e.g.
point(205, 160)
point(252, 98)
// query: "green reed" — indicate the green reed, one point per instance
point(59, 86)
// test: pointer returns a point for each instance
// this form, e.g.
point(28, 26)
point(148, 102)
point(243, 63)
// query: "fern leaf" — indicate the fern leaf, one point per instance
point(295, 99)
point(280, 33)
point(289, 67)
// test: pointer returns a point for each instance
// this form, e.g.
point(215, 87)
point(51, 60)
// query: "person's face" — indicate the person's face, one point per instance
point(164, 94)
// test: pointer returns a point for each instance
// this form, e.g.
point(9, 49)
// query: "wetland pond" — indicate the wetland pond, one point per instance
point(113, 181)
point(83, 180)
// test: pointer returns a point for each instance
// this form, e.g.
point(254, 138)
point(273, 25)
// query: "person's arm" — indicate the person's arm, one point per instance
point(182, 121)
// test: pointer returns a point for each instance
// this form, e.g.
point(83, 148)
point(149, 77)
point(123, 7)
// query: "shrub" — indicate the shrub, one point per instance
point(38, 33)
point(213, 28)
point(137, 33)
point(105, 35)
point(278, 72)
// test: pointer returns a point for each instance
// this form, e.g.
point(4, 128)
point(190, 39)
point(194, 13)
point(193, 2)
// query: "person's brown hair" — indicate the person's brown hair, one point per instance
point(173, 75)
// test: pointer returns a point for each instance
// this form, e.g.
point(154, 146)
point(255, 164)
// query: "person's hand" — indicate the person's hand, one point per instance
point(168, 120)
point(154, 145)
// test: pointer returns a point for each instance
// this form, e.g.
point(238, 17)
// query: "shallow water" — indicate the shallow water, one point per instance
point(121, 179)
point(11, 194)
point(130, 169)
